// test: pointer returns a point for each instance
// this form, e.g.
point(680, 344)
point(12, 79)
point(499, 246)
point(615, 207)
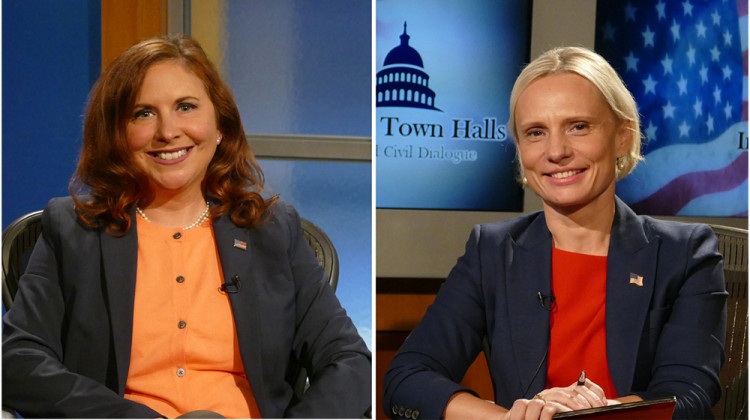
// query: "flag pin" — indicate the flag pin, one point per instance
point(636, 279)
point(240, 244)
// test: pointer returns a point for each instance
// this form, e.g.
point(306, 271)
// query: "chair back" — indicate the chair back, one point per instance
point(733, 246)
point(324, 250)
point(18, 242)
point(328, 258)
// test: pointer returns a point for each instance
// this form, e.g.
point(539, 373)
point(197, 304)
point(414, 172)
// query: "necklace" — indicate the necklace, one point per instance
point(198, 222)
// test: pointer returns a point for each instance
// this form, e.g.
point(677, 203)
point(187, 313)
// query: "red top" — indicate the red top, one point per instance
point(577, 328)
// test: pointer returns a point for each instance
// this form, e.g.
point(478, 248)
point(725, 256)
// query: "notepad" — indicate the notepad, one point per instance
point(656, 409)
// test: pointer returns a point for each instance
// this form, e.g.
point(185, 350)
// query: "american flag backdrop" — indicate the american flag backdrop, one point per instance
point(686, 64)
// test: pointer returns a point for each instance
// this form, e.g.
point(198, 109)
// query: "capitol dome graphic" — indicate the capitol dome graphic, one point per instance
point(402, 82)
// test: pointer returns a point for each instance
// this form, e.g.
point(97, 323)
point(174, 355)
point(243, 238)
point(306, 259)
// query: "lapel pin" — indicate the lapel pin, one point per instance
point(636, 279)
point(240, 244)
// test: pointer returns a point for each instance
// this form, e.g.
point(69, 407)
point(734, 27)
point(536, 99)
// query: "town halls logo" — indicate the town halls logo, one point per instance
point(403, 82)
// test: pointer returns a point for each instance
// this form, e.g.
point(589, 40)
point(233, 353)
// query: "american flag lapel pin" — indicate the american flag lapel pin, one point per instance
point(240, 244)
point(636, 279)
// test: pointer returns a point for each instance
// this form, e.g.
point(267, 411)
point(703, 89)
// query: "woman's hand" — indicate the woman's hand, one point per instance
point(465, 406)
point(575, 397)
point(533, 409)
point(543, 406)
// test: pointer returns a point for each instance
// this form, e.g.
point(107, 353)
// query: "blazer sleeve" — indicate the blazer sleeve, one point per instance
point(428, 367)
point(690, 347)
point(36, 382)
point(326, 341)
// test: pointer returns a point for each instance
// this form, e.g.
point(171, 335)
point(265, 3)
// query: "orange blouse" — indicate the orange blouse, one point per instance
point(577, 324)
point(185, 355)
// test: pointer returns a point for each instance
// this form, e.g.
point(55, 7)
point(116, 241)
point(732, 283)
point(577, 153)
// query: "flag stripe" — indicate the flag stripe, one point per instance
point(681, 190)
point(725, 203)
point(742, 7)
point(667, 163)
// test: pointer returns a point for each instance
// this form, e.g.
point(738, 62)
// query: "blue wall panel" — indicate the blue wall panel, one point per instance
point(51, 57)
point(300, 67)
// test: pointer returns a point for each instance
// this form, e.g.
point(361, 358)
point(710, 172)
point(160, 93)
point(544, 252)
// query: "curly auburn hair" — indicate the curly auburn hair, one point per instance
point(108, 182)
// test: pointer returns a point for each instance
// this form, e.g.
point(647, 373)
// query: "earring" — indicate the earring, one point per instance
point(619, 167)
point(218, 141)
point(524, 182)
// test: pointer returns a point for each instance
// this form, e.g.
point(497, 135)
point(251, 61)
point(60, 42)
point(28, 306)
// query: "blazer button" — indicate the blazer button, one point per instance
point(394, 410)
point(415, 414)
point(180, 372)
point(401, 411)
point(177, 235)
point(182, 324)
point(407, 413)
point(180, 279)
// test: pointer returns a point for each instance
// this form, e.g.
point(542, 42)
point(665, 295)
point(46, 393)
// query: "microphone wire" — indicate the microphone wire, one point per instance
point(538, 368)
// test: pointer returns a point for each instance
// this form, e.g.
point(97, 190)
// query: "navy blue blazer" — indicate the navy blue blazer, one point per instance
point(664, 338)
point(67, 338)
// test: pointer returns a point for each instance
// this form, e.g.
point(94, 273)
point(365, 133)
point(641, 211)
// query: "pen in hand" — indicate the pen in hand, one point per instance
point(582, 378)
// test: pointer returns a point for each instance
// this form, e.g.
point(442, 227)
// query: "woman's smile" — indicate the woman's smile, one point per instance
point(170, 157)
point(565, 175)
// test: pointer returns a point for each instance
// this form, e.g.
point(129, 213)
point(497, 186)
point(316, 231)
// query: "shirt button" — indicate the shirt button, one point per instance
point(182, 324)
point(180, 279)
point(177, 235)
point(180, 372)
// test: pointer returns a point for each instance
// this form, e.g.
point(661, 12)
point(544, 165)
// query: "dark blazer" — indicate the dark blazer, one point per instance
point(664, 338)
point(67, 338)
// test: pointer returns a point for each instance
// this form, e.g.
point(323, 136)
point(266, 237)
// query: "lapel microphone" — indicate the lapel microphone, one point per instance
point(232, 286)
point(547, 301)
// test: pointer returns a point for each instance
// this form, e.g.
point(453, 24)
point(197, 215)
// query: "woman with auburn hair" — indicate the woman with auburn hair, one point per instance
point(168, 284)
point(583, 304)
point(233, 176)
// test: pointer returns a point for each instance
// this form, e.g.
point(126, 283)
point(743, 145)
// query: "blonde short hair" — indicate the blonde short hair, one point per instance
point(596, 70)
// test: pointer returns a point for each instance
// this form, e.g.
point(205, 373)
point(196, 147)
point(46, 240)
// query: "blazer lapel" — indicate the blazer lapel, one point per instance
point(235, 246)
point(528, 274)
point(119, 262)
point(631, 254)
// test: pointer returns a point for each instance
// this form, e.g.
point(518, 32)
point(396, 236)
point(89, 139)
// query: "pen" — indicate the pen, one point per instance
point(582, 378)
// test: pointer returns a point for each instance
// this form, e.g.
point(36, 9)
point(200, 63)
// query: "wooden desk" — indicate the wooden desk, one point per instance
point(399, 305)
